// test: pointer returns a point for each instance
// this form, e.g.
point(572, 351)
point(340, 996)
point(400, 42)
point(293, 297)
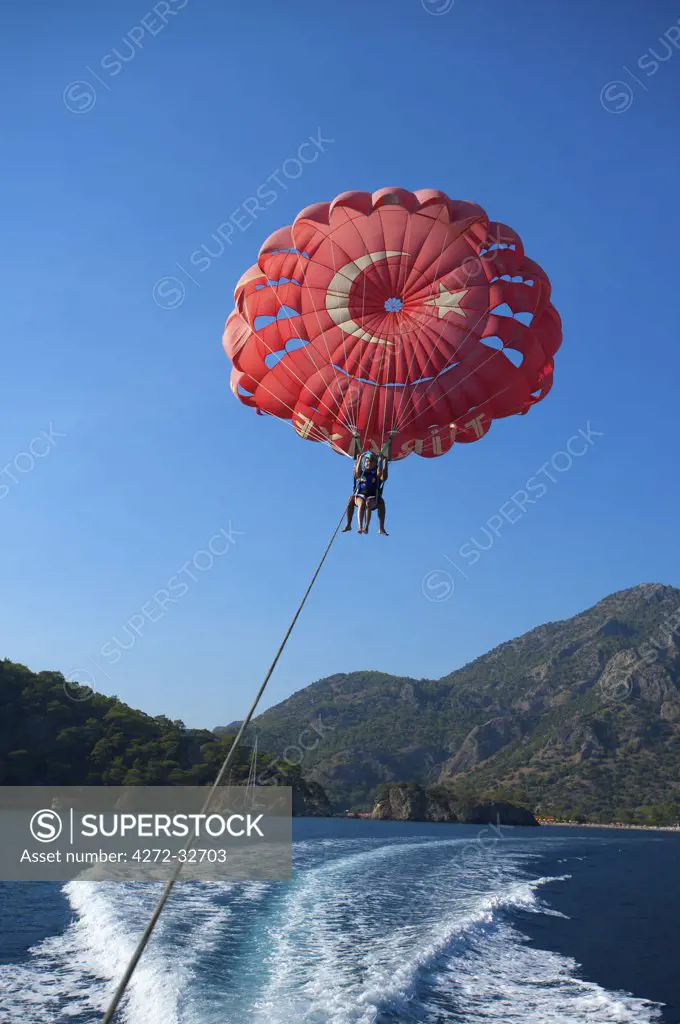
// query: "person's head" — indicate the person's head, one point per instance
point(370, 461)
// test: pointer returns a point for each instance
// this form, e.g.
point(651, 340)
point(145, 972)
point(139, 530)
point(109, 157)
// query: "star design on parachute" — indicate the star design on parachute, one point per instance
point(448, 302)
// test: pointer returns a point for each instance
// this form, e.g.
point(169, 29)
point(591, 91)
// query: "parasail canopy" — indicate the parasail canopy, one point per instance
point(403, 315)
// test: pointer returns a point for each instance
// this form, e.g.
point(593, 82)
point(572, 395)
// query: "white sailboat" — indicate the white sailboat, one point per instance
point(252, 778)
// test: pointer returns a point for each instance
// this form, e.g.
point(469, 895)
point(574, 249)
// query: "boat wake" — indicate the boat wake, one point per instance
point(368, 932)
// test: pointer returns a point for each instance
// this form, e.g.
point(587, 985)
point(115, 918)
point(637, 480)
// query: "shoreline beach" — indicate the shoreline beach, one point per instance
point(620, 825)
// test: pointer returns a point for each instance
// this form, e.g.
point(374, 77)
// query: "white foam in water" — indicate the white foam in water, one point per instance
point(75, 974)
point(322, 973)
point(367, 932)
point(525, 985)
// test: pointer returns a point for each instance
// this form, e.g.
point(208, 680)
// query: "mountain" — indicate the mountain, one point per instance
point(578, 717)
point(56, 733)
point(232, 728)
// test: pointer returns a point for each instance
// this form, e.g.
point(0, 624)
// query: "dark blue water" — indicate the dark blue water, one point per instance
point(622, 908)
point(383, 922)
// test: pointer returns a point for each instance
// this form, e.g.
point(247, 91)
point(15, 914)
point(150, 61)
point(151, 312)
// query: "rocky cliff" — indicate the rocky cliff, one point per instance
point(577, 716)
point(411, 802)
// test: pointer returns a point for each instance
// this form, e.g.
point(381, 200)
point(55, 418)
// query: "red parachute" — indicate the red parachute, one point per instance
point(402, 315)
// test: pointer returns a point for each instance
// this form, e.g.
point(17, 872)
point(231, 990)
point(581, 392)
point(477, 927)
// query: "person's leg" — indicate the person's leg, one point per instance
point(361, 508)
point(381, 518)
point(350, 514)
point(369, 505)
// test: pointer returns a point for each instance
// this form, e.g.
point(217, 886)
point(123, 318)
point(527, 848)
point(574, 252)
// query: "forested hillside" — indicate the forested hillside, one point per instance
point(52, 733)
point(579, 717)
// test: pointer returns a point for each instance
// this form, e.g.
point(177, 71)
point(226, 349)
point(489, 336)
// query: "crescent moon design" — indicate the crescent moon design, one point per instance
point(337, 296)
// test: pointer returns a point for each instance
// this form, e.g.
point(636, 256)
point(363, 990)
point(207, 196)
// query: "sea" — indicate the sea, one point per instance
point(383, 922)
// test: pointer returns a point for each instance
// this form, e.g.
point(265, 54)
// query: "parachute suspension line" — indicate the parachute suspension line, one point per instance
point(345, 416)
point(339, 397)
point(390, 403)
point(153, 920)
point(382, 353)
point(386, 405)
point(383, 460)
point(399, 411)
point(403, 424)
point(450, 390)
point(312, 430)
point(374, 370)
point(386, 450)
point(351, 424)
point(296, 375)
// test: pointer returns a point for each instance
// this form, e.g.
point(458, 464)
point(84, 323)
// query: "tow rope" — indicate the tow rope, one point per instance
point(153, 920)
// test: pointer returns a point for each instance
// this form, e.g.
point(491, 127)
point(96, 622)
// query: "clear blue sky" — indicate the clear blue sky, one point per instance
point(501, 104)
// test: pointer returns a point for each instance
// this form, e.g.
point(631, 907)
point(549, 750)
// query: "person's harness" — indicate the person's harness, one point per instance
point(384, 456)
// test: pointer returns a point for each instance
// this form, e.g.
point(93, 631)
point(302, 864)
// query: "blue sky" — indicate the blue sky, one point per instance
point(115, 171)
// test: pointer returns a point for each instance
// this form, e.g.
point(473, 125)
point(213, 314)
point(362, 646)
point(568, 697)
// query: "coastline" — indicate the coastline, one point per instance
point(619, 825)
point(544, 823)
